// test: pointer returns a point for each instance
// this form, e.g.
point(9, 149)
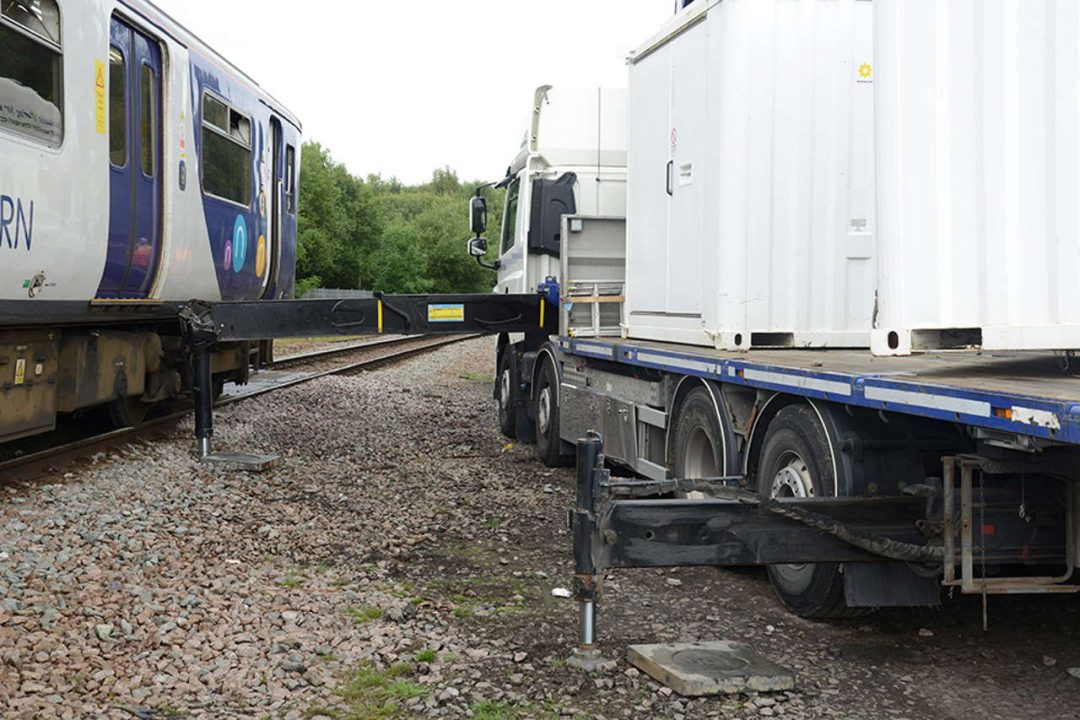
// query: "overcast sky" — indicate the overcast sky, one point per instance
point(401, 87)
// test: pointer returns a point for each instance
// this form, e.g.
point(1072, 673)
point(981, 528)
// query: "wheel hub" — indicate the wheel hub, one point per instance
point(543, 410)
point(504, 390)
point(792, 480)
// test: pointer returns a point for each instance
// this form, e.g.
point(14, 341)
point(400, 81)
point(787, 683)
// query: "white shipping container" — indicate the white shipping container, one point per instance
point(750, 210)
point(978, 139)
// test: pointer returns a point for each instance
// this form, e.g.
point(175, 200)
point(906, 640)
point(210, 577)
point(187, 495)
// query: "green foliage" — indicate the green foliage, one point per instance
point(379, 234)
point(374, 693)
point(426, 656)
point(362, 615)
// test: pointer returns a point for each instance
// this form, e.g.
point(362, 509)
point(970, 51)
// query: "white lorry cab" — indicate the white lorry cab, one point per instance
point(572, 161)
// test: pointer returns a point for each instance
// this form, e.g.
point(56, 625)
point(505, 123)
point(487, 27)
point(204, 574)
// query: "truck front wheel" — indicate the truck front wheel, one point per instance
point(507, 384)
point(796, 462)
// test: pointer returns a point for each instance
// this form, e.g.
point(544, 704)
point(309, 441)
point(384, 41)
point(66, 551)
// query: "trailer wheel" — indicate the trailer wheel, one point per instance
point(698, 440)
point(507, 393)
point(796, 461)
point(546, 411)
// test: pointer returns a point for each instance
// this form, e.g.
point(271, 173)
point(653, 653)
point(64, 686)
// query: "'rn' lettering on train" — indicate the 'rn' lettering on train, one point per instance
point(16, 223)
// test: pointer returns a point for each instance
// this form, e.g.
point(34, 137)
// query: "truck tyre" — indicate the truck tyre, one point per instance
point(698, 450)
point(546, 411)
point(506, 393)
point(796, 461)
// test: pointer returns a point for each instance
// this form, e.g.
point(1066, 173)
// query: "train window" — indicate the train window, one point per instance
point(117, 108)
point(148, 119)
point(290, 179)
point(30, 70)
point(215, 112)
point(226, 152)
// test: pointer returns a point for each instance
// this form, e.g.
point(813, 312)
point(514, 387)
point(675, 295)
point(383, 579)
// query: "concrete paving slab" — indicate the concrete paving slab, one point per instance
point(710, 668)
point(243, 462)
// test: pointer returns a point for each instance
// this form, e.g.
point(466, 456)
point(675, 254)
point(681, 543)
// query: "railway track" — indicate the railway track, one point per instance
point(342, 360)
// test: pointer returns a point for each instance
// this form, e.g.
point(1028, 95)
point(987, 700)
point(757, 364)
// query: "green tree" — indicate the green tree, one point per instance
point(338, 220)
point(381, 234)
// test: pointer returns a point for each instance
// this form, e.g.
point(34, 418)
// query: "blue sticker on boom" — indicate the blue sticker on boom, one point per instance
point(446, 313)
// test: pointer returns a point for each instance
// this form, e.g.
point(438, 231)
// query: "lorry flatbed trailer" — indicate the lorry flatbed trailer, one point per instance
point(1028, 393)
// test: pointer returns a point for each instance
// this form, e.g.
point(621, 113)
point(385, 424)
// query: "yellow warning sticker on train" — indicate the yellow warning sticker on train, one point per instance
point(99, 97)
point(446, 313)
point(20, 371)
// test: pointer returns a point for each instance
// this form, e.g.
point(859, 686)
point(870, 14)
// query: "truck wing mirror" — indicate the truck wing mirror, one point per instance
point(478, 217)
point(478, 247)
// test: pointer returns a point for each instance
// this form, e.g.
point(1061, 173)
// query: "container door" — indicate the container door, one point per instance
point(686, 173)
point(135, 189)
point(647, 199)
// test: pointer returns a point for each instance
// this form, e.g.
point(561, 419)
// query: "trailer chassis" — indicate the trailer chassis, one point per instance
point(618, 523)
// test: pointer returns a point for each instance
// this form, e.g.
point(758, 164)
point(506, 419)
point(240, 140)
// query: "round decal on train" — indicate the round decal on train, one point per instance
point(260, 256)
point(239, 244)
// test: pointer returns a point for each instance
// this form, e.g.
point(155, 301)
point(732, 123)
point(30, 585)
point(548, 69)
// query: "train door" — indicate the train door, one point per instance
point(273, 239)
point(135, 172)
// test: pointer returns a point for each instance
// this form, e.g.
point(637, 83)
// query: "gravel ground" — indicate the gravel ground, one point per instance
point(400, 564)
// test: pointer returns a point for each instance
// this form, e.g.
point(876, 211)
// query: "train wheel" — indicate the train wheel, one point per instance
point(128, 412)
point(507, 394)
point(796, 462)
point(549, 444)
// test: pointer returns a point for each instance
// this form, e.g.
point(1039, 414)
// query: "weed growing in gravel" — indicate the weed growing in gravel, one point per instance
point(502, 711)
point(426, 656)
point(493, 523)
point(373, 693)
point(463, 611)
point(291, 581)
point(477, 377)
point(363, 614)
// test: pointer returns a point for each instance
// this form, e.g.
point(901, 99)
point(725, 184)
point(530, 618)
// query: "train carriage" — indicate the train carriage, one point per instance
point(138, 169)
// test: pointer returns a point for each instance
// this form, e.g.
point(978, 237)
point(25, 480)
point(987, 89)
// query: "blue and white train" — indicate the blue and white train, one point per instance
point(138, 169)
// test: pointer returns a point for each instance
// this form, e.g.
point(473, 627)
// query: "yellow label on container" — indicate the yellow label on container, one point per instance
point(99, 97)
point(20, 371)
point(445, 313)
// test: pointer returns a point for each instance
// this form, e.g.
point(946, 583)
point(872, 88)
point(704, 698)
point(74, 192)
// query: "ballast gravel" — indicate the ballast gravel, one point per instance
point(401, 563)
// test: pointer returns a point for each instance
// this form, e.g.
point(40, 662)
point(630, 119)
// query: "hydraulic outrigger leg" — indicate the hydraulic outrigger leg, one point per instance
point(203, 390)
point(587, 584)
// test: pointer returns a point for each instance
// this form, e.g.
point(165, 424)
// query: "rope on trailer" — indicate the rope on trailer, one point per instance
point(892, 549)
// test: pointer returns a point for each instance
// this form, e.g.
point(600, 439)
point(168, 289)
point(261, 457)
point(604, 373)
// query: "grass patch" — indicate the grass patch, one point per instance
point(373, 693)
point(502, 711)
point(477, 377)
point(363, 615)
point(291, 581)
point(463, 611)
point(492, 523)
point(426, 656)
